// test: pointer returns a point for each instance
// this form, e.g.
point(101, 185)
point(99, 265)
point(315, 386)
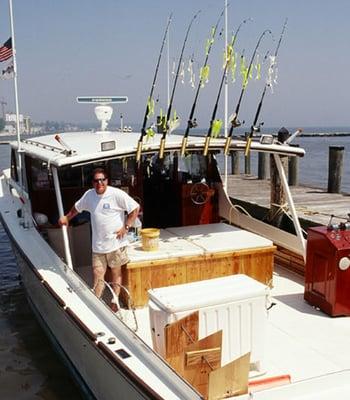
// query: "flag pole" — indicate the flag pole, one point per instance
point(19, 150)
point(15, 83)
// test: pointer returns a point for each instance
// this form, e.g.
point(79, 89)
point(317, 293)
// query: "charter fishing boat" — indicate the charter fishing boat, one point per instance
point(194, 323)
point(205, 311)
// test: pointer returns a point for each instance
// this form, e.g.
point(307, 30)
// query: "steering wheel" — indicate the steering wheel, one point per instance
point(200, 193)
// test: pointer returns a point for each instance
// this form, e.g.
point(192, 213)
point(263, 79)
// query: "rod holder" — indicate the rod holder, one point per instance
point(183, 146)
point(247, 147)
point(138, 151)
point(227, 146)
point(162, 147)
point(206, 146)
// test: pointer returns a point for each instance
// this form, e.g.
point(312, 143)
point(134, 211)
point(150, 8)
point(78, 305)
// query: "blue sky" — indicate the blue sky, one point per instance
point(68, 48)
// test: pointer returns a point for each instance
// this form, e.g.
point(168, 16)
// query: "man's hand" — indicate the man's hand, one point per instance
point(122, 232)
point(63, 221)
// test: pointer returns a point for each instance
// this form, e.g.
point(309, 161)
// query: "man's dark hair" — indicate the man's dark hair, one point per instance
point(99, 170)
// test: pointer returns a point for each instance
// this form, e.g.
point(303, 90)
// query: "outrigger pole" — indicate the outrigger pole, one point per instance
point(255, 127)
point(235, 121)
point(149, 102)
point(190, 123)
point(162, 141)
point(228, 58)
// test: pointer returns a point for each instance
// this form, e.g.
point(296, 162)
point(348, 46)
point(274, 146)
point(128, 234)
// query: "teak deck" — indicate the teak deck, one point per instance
point(139, 277)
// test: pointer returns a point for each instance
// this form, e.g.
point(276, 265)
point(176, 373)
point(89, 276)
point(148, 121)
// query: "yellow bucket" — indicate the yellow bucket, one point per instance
point(150, 239)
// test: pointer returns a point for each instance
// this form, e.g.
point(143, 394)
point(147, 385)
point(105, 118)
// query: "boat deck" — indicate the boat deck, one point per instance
point(301, 341)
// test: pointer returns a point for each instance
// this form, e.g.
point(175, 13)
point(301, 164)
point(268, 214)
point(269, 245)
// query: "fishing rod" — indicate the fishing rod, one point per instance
point(162, 141)
point(149, 102)
point(190, 123)
point(229, 50)
point(234, 120)
point(255, 127)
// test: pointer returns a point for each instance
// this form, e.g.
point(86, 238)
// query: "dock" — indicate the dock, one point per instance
point(314, 206)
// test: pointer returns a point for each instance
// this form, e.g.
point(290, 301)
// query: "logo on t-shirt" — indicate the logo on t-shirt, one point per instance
point(106, 206)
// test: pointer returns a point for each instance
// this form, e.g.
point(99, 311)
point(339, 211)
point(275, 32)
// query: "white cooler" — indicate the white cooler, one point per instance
point(235, 304)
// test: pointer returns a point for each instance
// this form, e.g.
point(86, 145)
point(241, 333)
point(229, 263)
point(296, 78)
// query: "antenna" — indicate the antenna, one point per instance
point(103, 110)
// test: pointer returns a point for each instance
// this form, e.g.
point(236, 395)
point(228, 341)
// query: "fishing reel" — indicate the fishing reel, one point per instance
point(235, 122)
point(257, 128)
point(192, 124)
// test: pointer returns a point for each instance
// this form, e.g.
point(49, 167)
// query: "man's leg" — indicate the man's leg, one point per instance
point(116, 260)
point(116, 273)
point(99, 267)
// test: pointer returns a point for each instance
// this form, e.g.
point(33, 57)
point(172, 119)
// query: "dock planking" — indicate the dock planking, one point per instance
point(312, 204)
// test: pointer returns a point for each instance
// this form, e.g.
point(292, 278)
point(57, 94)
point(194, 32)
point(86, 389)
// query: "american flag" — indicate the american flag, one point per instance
point(6, 50)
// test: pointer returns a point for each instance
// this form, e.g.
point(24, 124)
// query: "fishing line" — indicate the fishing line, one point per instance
point(168, 124)
point(229, 50)
point(150, 101)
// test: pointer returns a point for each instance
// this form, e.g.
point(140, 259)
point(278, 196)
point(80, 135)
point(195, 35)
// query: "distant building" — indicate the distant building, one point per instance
point(10, 123)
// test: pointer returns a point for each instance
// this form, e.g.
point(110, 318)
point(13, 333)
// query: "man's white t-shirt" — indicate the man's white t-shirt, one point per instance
point(107, 217)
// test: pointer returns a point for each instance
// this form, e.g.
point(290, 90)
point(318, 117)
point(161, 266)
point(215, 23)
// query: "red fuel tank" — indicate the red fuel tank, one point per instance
point(327, 272)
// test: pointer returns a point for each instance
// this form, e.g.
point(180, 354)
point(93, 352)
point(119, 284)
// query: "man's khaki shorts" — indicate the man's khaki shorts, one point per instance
point(114, 259)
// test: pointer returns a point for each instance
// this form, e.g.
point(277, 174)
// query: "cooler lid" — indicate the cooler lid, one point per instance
point(220, 237)
point(196, 295)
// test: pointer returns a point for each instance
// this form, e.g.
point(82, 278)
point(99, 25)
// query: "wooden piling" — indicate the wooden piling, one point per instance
point(335, 168)
point(293, 169)
point(262, 165)
point(277, 194)
point(235, 163)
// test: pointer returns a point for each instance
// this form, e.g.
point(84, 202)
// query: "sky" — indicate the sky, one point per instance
point(71, 48)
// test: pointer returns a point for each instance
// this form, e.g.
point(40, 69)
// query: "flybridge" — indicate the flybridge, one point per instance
point(103, 111)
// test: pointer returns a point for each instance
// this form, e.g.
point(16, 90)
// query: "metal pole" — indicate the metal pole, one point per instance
point(168, 69)
point(296, 222)
point(226, 102)
point(61, 213)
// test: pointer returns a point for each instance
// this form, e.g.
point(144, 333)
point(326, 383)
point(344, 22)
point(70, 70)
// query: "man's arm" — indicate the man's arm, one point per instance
point(129, 222)
point(66, 218)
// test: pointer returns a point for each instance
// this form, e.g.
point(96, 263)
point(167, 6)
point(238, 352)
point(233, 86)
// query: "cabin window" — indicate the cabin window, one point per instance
point(14, 165)
point(193, 167)
point(122, 172)
point(40, 175)
point(70, 177)
point(157, 168)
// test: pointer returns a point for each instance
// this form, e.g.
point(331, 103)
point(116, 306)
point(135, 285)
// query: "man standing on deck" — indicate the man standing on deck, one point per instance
point(107, 206)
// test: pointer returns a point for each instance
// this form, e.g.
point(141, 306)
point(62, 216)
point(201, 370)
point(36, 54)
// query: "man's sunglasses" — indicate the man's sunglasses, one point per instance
point(99, 180)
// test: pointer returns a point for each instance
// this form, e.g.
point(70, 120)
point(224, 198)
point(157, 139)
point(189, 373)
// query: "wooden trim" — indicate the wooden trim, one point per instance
point(73, 316)
point(289, 260)
point(37, 274)
point(203, 257)
point(129, 373)
point(195, 357)
point(54, 294)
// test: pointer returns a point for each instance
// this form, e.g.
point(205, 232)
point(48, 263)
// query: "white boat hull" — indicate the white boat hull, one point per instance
point(89, 364)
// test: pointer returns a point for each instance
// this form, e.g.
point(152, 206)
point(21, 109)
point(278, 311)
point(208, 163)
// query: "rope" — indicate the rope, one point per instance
point(191, 339)
point(115, 300)
point(283, 209)
point(236, 207)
